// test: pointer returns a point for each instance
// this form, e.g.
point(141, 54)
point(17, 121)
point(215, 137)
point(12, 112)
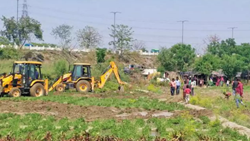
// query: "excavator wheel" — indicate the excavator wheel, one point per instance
point(37, 90)
point(60, 88)
point(15, 92)
point(83, 86)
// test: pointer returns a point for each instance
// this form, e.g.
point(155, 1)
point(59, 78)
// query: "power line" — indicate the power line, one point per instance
point(137, 27)
point(144, 21)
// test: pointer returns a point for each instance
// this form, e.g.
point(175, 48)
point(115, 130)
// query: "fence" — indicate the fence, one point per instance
point(45, 48)
point(74, 50)
point(148, 53)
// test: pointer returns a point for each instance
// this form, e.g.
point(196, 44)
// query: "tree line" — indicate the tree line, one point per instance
point(27, 28)
point(224, 54)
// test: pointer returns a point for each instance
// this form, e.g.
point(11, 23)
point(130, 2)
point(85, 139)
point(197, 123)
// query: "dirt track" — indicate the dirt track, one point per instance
point(89, 113)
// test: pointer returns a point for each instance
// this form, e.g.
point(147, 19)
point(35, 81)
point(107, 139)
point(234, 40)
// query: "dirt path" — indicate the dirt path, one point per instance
point(225, 123)
point(89, 113)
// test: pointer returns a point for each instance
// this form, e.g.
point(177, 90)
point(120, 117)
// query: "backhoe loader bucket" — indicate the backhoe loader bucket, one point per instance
point(121, 89)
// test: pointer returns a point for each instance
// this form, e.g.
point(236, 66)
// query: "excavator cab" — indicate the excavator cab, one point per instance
point(26, 78)
point(80, 79)
point(81, 70)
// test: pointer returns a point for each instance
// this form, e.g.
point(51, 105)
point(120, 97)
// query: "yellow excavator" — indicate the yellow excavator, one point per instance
point(26, 78)
point(80, 78)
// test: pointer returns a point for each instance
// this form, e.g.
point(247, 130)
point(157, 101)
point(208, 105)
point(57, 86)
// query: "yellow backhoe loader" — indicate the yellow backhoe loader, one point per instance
point(26, 78)
point(80, 78)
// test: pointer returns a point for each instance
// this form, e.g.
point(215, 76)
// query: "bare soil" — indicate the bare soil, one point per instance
point(89, 113)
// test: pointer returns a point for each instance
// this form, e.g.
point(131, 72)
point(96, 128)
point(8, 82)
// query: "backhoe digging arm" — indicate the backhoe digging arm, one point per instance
point(64, 78)
point(116, 72)
point(111, 69)
point(59, 80)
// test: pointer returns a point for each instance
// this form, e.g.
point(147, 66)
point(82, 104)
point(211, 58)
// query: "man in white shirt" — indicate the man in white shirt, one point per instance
point(193, 84)
point(178, 85)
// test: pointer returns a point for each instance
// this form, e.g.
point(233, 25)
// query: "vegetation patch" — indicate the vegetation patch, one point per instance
point(36, 127)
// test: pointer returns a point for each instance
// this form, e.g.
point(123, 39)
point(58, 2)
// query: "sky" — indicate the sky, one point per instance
point(154, 22)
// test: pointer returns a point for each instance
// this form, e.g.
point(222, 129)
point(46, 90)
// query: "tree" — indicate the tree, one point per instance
point(4, 41)
point(22, 31)
point(63, 32)
point(231, 65)
point(139, 45)
point(207, 63)
point(123, 35)
point(166, 60)
point(224, 47)
point(178, 58)
point(184, 56)
point(89, 37)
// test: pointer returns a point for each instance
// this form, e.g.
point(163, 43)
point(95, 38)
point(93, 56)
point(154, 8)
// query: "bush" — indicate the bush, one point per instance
point(215, 123)
point(109, 86)
point(60, 67)
point(205, 119)
point(154, 89)
point(100, 54)
point(9, 53)
point(204, 102)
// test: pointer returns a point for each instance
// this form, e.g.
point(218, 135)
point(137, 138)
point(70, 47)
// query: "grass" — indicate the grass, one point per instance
point(145, 103)
point(214, 100)
point(185, 127)
point(6, 66)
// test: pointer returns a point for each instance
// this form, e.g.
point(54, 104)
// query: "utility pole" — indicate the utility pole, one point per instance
point(232, 31)
point(115, 24)
point(25, 9)
point(182, 22)
point(17, 8)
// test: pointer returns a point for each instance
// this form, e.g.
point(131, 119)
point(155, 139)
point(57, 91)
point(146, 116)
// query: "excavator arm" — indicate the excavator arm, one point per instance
point(65, 77)
point(111, 69)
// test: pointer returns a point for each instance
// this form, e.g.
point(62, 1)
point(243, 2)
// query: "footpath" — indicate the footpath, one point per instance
point(225, 122)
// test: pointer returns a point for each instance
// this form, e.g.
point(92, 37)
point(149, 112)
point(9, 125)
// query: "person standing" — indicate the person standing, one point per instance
point(190, 80)
point(172, 87)
point(234, 85)
point(228, 82)
point(178, 85)
point(187, 92)
point(239, 94)
point(221, 81)
point(184, 87)
point(193, 84)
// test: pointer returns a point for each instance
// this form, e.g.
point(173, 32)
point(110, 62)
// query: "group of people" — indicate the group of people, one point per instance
point(237, 88)
point(188, 87)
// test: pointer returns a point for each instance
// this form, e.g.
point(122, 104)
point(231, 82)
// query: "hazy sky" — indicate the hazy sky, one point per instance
point(153, 21)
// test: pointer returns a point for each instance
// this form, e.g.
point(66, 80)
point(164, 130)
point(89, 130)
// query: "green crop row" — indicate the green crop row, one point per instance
point(145, 103)
point(185, 127)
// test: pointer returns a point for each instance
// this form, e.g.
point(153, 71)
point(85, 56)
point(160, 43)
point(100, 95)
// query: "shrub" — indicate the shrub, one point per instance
point(9, 53)
point(109, 86)
point(215, 123)
point(152, 88)
point(205, 119)
point(60, 67)
point(100, 54)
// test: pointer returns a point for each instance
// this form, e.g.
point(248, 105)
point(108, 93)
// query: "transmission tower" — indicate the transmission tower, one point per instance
point(25, 9)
